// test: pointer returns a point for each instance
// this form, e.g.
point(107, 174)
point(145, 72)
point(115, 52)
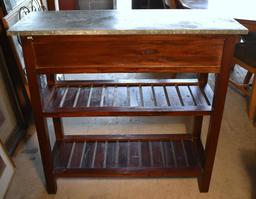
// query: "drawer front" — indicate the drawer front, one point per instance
point(128, 53)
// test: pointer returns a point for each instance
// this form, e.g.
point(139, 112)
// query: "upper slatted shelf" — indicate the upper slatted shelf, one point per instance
point(127, 98)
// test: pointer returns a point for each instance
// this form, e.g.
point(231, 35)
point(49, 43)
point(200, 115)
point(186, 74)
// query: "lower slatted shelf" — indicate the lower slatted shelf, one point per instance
point(127, 157)
point(142, 97)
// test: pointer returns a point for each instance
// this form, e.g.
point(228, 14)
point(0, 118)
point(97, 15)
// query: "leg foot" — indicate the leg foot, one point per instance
point(51, 185)
point(203, 184)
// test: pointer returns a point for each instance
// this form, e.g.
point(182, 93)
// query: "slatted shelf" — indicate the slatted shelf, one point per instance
point(144, 97)
point(127, 157)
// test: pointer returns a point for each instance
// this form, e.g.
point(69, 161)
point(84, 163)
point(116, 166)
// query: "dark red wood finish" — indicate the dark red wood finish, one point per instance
point(128, 98)
point(129, 155)
point(127, 53)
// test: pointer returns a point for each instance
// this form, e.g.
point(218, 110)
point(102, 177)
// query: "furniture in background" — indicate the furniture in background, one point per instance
point(24, 8)
point(15, 88)
point(245, 56)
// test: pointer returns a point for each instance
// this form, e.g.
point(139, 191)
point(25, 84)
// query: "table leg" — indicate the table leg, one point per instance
point(220, 91)
point(40, 121)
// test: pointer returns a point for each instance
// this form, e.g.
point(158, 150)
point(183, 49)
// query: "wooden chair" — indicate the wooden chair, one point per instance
point(245, 56)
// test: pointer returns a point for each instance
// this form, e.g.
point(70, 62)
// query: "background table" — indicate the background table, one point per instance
point(243, 11)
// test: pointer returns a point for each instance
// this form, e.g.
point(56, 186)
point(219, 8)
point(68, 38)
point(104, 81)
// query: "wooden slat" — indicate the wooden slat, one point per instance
point(70, 97)
point(190, 154)
point(141, 96)
point(102, 96)
point(122, 158)
point(185, 153)
point(96, 97)
point(198, 95)
point(90, 97)
point(63, 98)
point(209, 94)
point(61, 159)
point(88, 155)
point(117, 148)
point(82, 157)
point(169, 160)
point(173, 96)
point(76, 97)
point(71, 154)
point(130, 82)
point(105, 155)
point(186, 96)
point(56, 97)
point(135, 99)
point(162, 154)
point(166, 96)
point(109, 96)
point(157, 157)
point(134, 154)
point(148, 96)
point(121, 97)
point(145, 154)
point(174, 154)
point(83, 97)
point(77, 154)
point(179, 153)
point(94, 154)
point(127, 137)
point(160, 96)
point(100, 155)
point(111, 154)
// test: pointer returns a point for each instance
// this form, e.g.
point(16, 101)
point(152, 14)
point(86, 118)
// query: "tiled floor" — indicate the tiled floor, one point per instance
point(234, 174)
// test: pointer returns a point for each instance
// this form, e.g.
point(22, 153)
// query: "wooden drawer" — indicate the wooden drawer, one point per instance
point(128, 53)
